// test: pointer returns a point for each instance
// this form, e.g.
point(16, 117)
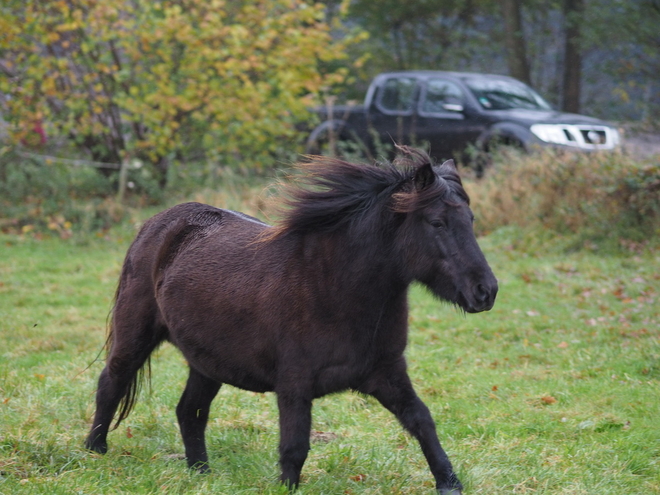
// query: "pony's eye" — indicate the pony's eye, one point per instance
point(437, 224)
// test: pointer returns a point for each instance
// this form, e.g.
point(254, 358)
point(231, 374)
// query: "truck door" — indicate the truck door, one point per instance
point(442, 121)
point(392, 111)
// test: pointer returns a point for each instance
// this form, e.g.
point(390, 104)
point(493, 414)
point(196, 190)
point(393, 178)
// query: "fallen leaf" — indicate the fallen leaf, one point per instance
point(548, 399)
point(322, 436)
point(359, 477)
point(563, 345)
point(129, 434)
point(619, 294)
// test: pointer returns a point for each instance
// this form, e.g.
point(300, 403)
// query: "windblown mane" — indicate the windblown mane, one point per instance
point(332, 194)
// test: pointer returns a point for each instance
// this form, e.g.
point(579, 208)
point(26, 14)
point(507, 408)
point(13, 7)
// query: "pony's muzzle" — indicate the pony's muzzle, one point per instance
point(483, 297)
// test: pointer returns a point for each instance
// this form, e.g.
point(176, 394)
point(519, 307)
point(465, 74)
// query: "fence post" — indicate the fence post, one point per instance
point(123, 177)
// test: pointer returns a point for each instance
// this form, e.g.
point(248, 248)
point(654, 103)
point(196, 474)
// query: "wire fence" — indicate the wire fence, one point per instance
point(122, 167)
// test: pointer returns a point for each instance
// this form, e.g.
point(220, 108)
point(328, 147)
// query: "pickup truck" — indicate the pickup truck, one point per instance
point(449, 113)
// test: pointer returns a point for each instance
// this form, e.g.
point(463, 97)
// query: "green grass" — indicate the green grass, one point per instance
point(554, 391)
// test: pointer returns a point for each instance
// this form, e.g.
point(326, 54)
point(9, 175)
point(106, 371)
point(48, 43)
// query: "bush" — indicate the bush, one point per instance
point(55, 197)
point(42, 196)
point(588, 196)
point(584, 199)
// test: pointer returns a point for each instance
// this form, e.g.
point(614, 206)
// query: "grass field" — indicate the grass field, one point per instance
point(554, 391)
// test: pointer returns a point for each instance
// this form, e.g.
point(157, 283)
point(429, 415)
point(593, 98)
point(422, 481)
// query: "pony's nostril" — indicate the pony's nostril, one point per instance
point(481, 293)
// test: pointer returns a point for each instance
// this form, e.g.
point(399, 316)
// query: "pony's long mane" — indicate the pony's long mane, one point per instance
point(331, 194)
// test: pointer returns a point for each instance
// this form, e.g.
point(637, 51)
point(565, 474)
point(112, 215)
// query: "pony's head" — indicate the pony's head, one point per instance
point(414, 210)
point(436, 240)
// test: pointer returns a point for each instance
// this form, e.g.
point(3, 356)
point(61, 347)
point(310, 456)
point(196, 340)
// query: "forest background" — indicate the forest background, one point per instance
point(230, 83)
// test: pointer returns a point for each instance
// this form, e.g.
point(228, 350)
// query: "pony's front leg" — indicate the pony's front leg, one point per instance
point(392, 387)
point(295, 425)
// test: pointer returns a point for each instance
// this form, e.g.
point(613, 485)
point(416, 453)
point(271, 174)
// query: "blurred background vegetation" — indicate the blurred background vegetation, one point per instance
point(174, 99)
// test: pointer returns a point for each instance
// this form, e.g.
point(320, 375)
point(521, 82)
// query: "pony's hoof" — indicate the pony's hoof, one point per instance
point(449, 491)
point(97, 447)
point(201, 467)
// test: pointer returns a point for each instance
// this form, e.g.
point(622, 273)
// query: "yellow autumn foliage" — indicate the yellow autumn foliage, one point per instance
point(148, 79)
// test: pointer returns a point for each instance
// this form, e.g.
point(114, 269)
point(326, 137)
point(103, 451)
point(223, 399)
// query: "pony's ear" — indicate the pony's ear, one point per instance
point(424, 176)
point(450, 164)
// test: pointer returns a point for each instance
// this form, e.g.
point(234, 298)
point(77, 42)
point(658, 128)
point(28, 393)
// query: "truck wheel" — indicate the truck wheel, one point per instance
point(344, 144)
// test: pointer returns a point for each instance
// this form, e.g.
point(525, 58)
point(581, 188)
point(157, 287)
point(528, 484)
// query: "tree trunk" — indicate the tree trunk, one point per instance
point(515, 40)
point(573, 13)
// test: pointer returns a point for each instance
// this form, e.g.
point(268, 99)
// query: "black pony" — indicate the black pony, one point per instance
point(314, 305)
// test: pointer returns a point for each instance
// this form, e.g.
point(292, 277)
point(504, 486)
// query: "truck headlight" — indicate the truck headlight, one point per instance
point(550, 133)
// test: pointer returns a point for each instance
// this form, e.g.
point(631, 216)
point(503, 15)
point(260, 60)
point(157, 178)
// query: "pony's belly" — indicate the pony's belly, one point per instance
point(243, 377)
point(337, 378)
point(241, 363)
point(250, 383)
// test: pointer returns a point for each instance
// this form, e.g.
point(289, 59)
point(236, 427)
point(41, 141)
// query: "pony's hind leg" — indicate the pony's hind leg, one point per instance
point(112, 387)
point(193, 414)
point(134, 337)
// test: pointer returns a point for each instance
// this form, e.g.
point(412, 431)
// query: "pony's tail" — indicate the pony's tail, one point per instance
point(175, 237)
point(128, 401)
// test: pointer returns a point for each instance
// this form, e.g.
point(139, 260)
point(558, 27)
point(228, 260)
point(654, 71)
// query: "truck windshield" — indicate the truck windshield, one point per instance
point(500, 94)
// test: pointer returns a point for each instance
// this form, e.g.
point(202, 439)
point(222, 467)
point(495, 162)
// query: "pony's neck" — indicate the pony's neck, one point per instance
point(352, 263)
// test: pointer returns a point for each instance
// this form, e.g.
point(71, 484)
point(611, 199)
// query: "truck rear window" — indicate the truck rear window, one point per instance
point(397, 94)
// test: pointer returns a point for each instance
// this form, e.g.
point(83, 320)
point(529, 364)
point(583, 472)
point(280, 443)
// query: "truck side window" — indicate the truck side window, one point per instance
point(397, 95)
point(440, 93)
